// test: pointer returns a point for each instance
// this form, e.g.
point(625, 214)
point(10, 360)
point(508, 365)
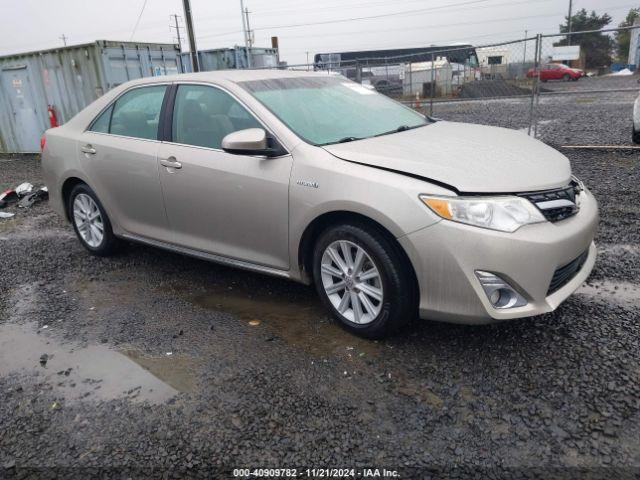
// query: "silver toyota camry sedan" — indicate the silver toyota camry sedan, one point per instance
point(314, 178)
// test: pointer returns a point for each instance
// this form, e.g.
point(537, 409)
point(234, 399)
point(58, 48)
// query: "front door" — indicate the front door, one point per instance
point(236, 206)
point(27, 126)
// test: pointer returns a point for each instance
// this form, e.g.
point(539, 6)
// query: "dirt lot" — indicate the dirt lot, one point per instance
point(150, 364)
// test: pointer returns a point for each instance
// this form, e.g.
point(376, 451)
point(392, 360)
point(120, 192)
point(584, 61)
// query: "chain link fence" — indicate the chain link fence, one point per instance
point(584, 89)
point(558, 88)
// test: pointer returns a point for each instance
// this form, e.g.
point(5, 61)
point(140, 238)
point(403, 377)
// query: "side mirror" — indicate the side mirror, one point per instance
point(251, 141)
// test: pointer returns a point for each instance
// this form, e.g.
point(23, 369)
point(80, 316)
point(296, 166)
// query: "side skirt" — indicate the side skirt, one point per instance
point(231, 262)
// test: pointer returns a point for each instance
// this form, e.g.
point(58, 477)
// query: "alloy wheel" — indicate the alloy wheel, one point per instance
point(352, 282)
point(88, 220)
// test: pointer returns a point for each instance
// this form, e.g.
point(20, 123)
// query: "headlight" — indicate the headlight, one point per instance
point(505, 214)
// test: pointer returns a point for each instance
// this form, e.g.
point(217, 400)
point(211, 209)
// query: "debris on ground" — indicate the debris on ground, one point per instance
point(24, 189)
point(6, 214)
point(254, 323)
point(44, 358)
point(31, 198)
point(25, 195)
point(7, 197)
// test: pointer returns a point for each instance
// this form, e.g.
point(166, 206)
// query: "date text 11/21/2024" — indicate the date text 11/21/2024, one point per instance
point(314, 473)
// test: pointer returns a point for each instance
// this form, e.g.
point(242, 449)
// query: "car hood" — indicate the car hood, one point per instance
point(470, 158)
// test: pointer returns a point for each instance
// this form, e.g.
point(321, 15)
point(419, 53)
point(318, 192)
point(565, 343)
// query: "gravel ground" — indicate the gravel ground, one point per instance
point(159, 365)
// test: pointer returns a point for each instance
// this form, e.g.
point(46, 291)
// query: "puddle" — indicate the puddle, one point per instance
point(174, 370)
point(91, 372)
point(620, 292)
point(302, 323)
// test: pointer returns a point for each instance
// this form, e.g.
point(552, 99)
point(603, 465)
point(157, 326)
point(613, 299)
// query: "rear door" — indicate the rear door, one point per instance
point(236, 206)
point(119, 153)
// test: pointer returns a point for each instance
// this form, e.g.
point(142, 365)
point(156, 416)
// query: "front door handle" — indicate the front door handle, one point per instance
point(88, 149)
point(171, 162)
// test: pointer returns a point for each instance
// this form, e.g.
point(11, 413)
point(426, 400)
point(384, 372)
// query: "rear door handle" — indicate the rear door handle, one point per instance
point(88, 149)
point(171, 162)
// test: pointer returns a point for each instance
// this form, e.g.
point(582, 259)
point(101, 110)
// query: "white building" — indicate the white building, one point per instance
point(634, 46)
point(418, 77)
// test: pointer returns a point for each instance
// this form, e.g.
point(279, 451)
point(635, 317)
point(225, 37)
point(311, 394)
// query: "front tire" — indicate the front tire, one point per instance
point(90, 221)
point(363, 278)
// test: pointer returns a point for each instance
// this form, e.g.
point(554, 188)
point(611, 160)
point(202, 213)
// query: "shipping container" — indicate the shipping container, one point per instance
point(65, 80)
point(230, 58)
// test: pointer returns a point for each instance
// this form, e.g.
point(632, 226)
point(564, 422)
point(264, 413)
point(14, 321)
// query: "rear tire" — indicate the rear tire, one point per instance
point(90, 222)
point(636, 136)
point(370, 288)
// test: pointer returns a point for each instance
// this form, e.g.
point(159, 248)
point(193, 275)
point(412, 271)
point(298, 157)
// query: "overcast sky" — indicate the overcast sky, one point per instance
point(37, 24)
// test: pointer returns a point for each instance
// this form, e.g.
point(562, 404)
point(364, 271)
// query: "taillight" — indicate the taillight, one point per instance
point(43, 142)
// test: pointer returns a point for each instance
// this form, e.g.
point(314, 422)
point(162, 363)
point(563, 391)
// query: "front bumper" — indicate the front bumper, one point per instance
point(446, 255)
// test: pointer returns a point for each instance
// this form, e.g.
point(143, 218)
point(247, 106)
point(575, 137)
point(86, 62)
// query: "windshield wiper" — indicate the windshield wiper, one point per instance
point(401, 128)
point(347, 139)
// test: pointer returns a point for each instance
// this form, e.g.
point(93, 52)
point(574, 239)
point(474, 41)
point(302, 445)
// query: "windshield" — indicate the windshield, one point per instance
point(325, 110)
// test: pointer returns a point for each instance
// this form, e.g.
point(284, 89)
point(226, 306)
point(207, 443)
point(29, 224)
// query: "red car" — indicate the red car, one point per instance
point(556, 71)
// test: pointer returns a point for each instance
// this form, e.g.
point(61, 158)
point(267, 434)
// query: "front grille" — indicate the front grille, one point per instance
point(564, 274)
point(558, 204)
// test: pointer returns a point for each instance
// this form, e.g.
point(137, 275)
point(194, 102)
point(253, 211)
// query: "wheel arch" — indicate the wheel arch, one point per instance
point(336, 217)
point(67, 186)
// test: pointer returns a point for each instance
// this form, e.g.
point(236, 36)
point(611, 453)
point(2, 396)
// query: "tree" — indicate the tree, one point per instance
point(623, 37)
point(596, 46)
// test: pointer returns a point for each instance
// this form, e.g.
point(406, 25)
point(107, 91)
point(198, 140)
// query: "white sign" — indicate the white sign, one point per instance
point(566, 53)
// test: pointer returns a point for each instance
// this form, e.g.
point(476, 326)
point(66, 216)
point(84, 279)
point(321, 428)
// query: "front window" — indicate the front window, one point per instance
point(204, 115)
point(325, 110)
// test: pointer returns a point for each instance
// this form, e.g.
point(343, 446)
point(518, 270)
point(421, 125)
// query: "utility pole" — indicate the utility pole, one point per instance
point(64, 39)
point(247, 31)
point(195, 65)
point(177, 27)
point(275, 45)
point(569, 22)
point(307, 61)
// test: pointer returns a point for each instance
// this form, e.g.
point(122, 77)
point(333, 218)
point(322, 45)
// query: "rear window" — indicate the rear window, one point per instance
point(101, 124)
point(135, 114)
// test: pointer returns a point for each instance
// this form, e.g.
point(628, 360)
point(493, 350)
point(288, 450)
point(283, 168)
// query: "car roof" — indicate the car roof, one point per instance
point(234, 76)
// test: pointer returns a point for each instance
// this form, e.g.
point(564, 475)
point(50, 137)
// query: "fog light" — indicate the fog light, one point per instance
point(501, 295)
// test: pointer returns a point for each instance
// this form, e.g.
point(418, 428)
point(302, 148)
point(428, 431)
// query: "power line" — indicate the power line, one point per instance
point(443, 25)
point(341, 6)
point(326, 22)
point(440, 25)
point(403, 29)
point(369, 17)
point(138, 20)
